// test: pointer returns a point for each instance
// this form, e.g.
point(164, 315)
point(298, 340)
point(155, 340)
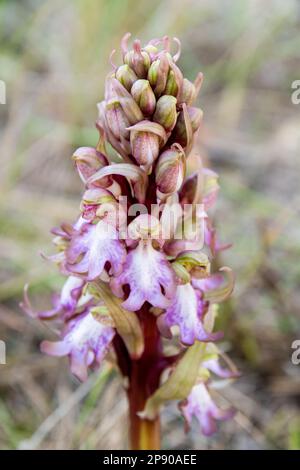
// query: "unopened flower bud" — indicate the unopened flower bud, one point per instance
point(181, 272)
point(112, 212)
point(151, 50)
point(146, 138)
point(144, 226)
point(97, 196)
point(195, 262)
point(88, 161)
point(171, 85)
point(158, 74)
point(170, 170)
point(153, 72)
point(129, 106)
point(174, 81)
point(138, 60)
point(116, 119)
point(165, 112)
point(145, 147)
point(180, 131)
point(92, 199)
point(144, 96)
point(120, 143)
point(187, 93)
point(196, 115)
point(101, 314)
point(126, 76)
point(189, 189)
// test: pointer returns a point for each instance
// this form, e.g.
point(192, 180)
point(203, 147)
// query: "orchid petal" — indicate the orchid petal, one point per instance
point(213, 287)
point(58, 348)
point(177, 55)
point(147, 271)
point(214, 366)
point(187, 311)
point(124, 44)
point(175, 247)
point(88, 160)
point(64, 304)
point(70, 294)
point(198, 83)
point(97, 244)
point(86, 342)
point(170, 216)
point(200, 404)
point(211, 240)
point(132, 173)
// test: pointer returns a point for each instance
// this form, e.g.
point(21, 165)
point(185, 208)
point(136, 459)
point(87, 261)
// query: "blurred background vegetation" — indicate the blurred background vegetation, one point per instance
point(54, 58)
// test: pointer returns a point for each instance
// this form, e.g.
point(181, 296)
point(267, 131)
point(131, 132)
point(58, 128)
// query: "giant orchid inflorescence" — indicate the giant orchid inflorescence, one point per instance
point(138, 258)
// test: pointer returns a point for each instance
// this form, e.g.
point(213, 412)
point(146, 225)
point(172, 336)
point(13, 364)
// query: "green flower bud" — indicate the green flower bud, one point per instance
point(170, 170)
point(151, 50)
point(144, 96)
point(158, 74)
point(181, 272)
point(129, 106)
point(153, 73)
point(146, 139)
point(116, 119)
point(165, 112)
point(102, 315)
point(88, 161)
point(145, 147)
point(97, 196)
point(174, 81)
point(195, 262)
point(180, 131)
point(92, 199)
point(171, 85)
point(196, 115)
point(187, 92)
point(126, 76)
point(138, 60)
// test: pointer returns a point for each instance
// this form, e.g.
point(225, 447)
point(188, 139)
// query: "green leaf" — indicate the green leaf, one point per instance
point(180, 381)
point(126, 323)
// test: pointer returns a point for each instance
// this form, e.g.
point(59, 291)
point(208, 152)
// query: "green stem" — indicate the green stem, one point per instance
point(143, 381)
point(144, 434)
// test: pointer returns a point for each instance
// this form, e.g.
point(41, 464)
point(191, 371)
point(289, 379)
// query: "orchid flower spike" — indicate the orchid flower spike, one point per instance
point(138, 258)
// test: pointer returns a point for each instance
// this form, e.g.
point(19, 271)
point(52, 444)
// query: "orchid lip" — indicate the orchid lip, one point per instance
point(200, 404)
point(85, 341)
point(147, 272)
point(187, 311)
